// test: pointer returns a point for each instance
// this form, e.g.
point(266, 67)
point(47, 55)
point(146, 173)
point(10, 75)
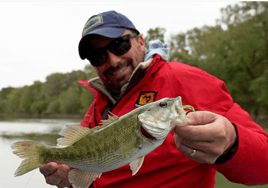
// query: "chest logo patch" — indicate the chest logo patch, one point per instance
point(145, 97)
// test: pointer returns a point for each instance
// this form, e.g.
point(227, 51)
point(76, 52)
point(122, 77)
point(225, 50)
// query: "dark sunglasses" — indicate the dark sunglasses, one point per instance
point(118, 46)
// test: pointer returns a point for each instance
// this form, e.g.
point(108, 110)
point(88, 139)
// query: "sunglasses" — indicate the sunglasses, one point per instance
point(118, 46)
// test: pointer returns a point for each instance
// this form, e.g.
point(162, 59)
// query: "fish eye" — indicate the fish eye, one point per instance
point(162, 104)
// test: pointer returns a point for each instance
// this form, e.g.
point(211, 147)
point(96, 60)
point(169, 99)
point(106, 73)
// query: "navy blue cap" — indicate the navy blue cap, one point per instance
point(109, 24)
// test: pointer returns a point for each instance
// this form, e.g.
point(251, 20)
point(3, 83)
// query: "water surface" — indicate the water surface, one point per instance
point(40, 130)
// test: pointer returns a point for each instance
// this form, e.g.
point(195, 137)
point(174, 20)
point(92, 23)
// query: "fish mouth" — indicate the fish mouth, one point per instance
point(146, 134)
point(178, 112)
point(158, 125)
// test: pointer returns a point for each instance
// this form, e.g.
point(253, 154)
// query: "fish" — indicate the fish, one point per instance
point(118, 141)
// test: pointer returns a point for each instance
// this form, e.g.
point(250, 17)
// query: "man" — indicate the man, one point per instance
point(220, 136)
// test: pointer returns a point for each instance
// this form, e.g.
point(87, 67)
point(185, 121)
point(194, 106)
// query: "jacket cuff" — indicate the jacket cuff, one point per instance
point(226, 157)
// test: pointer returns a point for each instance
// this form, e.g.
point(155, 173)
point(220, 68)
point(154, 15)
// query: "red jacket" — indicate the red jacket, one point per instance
point(168, 167)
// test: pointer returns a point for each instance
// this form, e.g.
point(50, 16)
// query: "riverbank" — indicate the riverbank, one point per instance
point(4, 116)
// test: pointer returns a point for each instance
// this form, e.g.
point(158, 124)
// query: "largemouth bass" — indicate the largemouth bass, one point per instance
point(117, 142)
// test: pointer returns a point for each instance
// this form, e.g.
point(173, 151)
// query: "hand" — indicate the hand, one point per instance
point(56, 174)
point(210, 134)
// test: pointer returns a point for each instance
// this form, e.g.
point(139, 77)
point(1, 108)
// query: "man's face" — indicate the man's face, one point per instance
point(116, 71)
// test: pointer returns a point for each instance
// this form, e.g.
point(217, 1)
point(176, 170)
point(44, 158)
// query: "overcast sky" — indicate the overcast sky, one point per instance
point(41, 38)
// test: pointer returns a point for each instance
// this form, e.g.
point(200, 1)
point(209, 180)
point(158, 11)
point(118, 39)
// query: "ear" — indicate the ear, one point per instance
point(141, 42)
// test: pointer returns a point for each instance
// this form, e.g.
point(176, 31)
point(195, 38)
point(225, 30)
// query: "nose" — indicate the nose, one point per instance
point(112, 59)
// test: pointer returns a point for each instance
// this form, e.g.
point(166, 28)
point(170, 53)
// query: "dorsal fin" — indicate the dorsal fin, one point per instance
point(109, 120)
point(71, 134)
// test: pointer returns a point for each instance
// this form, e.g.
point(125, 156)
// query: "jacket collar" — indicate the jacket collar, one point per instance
point(97, 85)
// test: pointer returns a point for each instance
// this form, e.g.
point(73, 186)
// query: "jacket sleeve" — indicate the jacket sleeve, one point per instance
point(249, 165)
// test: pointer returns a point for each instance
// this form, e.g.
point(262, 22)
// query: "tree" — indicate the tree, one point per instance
point(178, 49)
point(61, 93)
point(13, 101)
point(237, 54)
point(260, 85)
point(3, 98)
point(248, 36)
point(39, 103)
point(69, 100)
point(54, 85)
point(32, 101)
point(26, 100)
point(153, 34)
point(53, 106)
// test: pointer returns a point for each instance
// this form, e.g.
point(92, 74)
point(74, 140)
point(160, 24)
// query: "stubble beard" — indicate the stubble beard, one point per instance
point(116, 85)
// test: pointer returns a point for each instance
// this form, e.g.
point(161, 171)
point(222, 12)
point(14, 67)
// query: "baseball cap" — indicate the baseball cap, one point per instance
point(110, 24)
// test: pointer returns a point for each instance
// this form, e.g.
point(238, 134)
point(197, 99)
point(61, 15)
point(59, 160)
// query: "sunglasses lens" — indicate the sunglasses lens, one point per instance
point(98, 59)
point(118, 46)
point(121, 47)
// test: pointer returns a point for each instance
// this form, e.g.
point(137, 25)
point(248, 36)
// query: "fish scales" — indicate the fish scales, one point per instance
point(119, 141)
point(106, 145)
point(101, 148)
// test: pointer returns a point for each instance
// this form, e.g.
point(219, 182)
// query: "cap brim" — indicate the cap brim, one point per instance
point(109, 32)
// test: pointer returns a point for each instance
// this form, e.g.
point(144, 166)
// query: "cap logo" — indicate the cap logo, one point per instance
point(92, 23)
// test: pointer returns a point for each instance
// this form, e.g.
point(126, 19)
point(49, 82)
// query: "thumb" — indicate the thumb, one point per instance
point(201, 117)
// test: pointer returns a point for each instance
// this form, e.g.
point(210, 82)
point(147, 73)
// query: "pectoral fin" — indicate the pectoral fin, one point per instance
point(81, 179)
point(136, 165)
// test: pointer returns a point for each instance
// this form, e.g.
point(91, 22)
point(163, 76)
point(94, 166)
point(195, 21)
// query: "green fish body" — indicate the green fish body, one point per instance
point(119, 141)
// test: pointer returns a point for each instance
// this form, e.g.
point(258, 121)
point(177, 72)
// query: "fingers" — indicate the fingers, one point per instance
point(208, 133)
point(206, 147)
point(200, 117)
point(203, 126)
point(64, 182)
point(197, 132)
point(48, 168)
point(199, 155)
point(56, 174)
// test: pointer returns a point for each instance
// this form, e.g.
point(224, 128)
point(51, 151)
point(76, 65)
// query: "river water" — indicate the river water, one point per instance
point(26, 129)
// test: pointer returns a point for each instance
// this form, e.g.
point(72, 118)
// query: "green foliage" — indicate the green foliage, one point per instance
point(153, 34)
point(235, 50)
point(178, 50)
point(60, 94)
point(54, 106)
point(69, 100)
point(32, 100)
point(3, 98)
point(13, 101)
point(260, 88)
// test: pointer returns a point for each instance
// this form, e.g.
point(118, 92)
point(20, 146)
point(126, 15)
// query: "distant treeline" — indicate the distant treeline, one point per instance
point(234, 50)
point(60, 94)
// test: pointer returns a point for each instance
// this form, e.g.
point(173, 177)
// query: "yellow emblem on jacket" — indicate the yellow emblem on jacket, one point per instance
point(146, 97)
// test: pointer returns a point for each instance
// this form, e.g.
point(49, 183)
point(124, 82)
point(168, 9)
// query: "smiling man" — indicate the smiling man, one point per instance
point(113, 70)
point(114, 47)
point(221, 137)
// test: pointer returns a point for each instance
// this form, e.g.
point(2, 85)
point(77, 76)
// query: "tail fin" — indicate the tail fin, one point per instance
point(28, 151)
